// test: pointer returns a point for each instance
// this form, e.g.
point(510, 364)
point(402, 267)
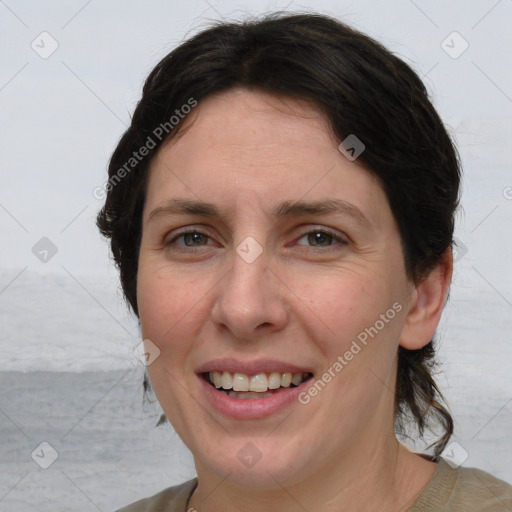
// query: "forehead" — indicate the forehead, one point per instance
point(252, 120)
point(253, 147)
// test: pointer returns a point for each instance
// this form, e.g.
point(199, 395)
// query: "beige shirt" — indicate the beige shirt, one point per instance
point(449, 490)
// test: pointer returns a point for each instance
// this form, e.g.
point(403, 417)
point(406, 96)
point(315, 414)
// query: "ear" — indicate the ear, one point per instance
point(426, 305)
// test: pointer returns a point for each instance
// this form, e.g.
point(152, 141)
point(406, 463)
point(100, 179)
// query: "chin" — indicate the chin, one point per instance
point(255, 462)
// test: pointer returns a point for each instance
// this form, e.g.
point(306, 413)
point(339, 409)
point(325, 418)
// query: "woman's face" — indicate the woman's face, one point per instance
point(296, 267)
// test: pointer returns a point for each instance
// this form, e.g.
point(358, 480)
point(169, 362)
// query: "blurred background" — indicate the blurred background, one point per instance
point(73, 426)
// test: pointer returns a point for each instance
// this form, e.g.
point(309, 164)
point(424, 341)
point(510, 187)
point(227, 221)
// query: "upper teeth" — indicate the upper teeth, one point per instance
point(260, 382)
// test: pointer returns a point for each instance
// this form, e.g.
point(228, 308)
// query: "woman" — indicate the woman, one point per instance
point(281, 211)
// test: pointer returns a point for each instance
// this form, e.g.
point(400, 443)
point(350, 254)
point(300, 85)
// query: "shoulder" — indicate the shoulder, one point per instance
point(172, 499)
point(464, 490)
point(482, 491)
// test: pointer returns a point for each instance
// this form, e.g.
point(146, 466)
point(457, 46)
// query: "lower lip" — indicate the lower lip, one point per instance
point(251, 408)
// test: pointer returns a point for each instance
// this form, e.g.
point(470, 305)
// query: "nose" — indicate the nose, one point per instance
point(251, 300)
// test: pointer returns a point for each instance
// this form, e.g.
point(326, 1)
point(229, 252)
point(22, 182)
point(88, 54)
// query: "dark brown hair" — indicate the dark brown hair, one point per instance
point(361, 88)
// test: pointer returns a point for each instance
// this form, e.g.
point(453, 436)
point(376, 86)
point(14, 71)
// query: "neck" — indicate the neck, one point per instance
point(382, 479)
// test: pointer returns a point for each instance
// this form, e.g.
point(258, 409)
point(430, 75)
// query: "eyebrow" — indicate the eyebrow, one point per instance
point(283, 210)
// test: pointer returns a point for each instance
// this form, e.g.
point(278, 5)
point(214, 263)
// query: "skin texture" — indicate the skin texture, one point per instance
point(302, 301)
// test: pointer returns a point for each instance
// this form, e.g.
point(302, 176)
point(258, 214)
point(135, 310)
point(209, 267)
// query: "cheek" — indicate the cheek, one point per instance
point(168, 313)
point(342, 305)
point(165, 298)
point(173, 308)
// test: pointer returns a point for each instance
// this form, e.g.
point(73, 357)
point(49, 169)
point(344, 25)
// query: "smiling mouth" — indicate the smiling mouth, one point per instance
point(261, 385)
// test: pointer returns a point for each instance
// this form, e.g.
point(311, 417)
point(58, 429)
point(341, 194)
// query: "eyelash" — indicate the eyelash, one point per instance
point(335, 237)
